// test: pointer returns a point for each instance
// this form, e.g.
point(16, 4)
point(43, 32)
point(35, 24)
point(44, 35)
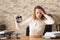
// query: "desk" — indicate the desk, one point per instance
point(29, 38)
point(33, 38)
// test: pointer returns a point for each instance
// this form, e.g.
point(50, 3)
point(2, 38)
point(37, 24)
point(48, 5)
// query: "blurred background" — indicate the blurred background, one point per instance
point(12, 8)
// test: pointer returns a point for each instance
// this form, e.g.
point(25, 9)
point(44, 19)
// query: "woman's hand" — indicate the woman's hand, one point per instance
point(43, 13)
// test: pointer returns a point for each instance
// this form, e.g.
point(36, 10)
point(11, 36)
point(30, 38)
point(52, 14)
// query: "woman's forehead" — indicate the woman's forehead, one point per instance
point(39, 10)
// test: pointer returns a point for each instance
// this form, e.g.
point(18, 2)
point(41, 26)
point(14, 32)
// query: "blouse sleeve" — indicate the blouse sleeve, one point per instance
point(14, 25)
point(48, 20)
point(25, 23)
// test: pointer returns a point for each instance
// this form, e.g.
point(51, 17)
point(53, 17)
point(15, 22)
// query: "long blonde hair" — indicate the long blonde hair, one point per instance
point(38, 7)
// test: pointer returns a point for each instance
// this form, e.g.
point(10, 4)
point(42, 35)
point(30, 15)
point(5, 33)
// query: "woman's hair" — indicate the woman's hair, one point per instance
point(34, 15)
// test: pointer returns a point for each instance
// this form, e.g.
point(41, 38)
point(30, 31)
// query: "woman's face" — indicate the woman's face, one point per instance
point(38, 13)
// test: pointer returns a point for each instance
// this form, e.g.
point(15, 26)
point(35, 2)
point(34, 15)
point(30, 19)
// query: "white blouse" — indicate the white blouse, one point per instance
point(37, 26)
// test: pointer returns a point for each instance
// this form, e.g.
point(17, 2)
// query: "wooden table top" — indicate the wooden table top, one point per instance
point(34, 38)
point(29, 38)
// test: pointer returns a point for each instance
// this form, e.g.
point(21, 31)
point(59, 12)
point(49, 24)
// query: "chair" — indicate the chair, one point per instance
point(48, 28)
point(27, 31)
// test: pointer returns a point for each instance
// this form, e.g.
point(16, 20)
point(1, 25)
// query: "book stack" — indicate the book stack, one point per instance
point(52, 34)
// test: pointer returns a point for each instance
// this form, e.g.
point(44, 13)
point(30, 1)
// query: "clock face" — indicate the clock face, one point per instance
point(19, 19)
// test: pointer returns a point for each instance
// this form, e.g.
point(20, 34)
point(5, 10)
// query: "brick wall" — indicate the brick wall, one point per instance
point(10, 8)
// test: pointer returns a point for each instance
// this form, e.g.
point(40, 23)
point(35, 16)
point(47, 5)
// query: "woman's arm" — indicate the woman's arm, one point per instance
point(25, 23)
point(48, 20)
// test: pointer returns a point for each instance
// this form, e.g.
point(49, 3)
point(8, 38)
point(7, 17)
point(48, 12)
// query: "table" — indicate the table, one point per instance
point(29, 38)
point(33, 38)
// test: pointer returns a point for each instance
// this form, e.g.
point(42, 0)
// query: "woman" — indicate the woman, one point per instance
point(37, 22)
